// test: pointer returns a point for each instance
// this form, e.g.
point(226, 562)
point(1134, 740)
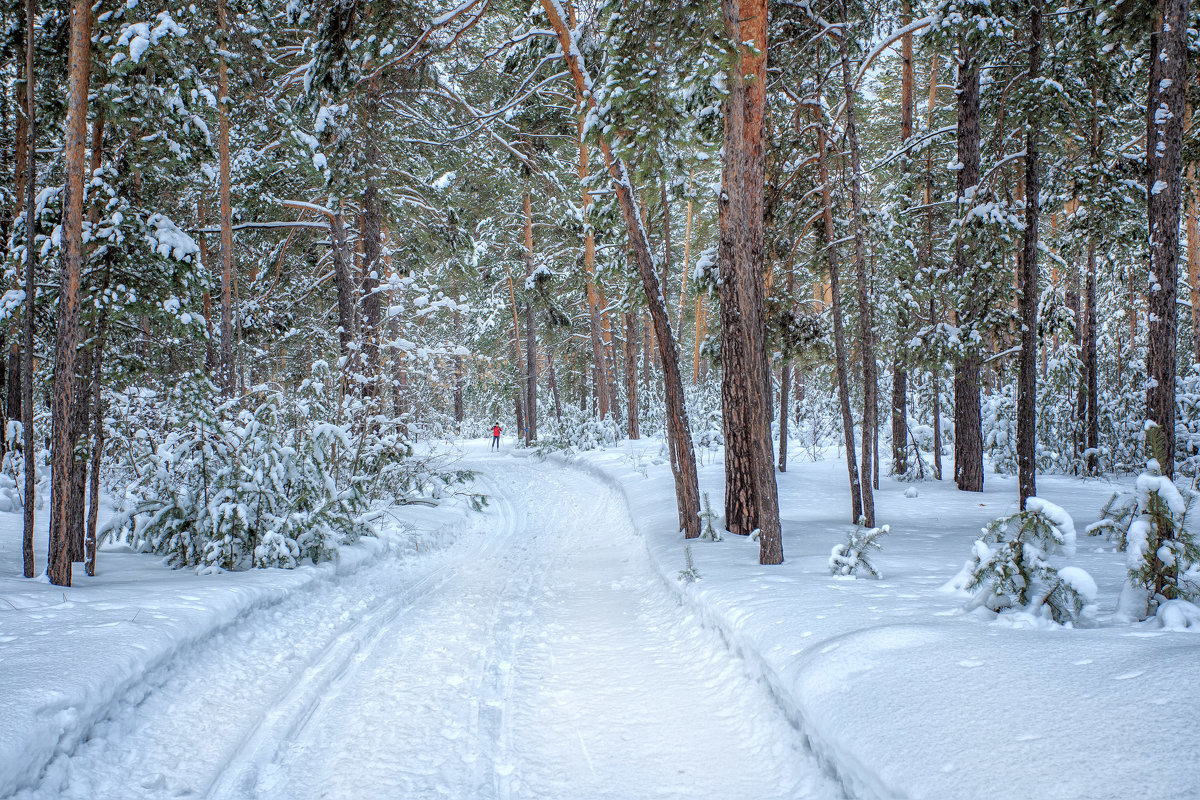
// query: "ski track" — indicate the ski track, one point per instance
point(542, 659)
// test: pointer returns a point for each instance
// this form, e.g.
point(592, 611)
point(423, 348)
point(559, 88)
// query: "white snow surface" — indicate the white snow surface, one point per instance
point(530, 651)
point(898, 690)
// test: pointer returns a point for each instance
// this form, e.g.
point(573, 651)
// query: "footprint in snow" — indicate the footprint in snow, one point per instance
point(1124, 676)
point(966, 662)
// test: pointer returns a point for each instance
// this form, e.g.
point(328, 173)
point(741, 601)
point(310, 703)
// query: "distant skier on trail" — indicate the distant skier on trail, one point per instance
point(496, 437)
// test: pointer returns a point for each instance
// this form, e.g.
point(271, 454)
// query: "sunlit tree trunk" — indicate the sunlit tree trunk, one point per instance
point(63, 428)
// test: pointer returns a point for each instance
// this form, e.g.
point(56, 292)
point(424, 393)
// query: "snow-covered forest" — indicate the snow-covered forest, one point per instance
point(479, 399)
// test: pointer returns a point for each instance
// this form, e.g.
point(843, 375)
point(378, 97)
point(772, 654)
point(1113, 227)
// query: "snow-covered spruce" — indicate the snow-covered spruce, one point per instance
point(854, 555)
point(1161, 552)
point(1010, 568)
point(234, 488)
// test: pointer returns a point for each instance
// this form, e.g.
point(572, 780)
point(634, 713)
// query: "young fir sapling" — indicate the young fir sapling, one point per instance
point(1010, 566)
point(854, 555)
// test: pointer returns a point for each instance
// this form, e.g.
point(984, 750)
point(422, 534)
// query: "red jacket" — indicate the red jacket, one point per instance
point(495, 430)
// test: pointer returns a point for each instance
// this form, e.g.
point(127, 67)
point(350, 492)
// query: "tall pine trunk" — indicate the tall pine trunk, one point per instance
point(226, 208)
point(1027, 378)
point(751, 497)
point(899, 363)
point(63, 427)
point(968, 422)
point(30, 296)
point(1164, 154)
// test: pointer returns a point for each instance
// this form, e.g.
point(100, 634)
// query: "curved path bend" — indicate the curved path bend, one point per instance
point(541, 659)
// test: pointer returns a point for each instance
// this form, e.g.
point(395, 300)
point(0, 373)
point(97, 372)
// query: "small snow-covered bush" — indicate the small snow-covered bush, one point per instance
point(1153, 526)
point(234, 488)
point(854, 555)
point(689, 573)
point(1009, 567)
point(1161, 553)
point(709, 532)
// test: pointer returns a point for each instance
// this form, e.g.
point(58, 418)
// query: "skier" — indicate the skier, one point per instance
point(496, 436)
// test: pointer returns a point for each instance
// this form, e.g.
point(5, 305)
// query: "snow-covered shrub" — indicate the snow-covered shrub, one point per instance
point(999, 410)
point(1161, 553)
point(854, 555)
point(576, 431)
point(234, 488)
point(709, 532)
point(689, 573)
point(1009, 567)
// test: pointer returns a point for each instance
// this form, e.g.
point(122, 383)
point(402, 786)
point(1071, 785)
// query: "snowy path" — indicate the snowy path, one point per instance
point(543, 660)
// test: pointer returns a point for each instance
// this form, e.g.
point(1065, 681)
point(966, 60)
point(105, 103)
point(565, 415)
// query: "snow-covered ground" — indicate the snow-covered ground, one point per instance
point(546, 648)
point(898, 691)
point(539, 656)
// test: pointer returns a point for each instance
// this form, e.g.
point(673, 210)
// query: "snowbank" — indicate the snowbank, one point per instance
point(902, 694)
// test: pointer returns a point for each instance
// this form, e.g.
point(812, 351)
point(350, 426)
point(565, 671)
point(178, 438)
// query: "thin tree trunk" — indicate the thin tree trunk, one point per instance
point(899, 363)
point(968, 422)
point(687, 254)
point(1027, 380)
point(531, 370)
point(90, 544)
point(785, 380)
point(226, 211)
point(866, 335)
point(631, 375)
point(1193, 248)
point(459, 377)
point(67, 337)
point(829, 241)
point(601, 382)
point(1089, 359)
point(552, 381)
point(30, 457)
point(343, 283)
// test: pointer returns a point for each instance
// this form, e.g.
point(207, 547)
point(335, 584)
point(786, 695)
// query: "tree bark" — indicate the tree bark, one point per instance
point(752, 501)
point(866, 335)
point(63, 429)
point(1164, 154)
point(968, 422)
point(1027, 379)
point(30, 296)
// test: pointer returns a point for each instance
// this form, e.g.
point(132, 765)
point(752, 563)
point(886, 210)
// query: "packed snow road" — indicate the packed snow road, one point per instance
point(543, 659)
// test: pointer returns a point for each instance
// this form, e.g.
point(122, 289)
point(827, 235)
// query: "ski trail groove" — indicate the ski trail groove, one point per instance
point(294, 708)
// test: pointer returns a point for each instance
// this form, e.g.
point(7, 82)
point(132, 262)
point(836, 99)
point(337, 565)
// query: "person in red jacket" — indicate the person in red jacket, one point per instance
point(496, 436)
